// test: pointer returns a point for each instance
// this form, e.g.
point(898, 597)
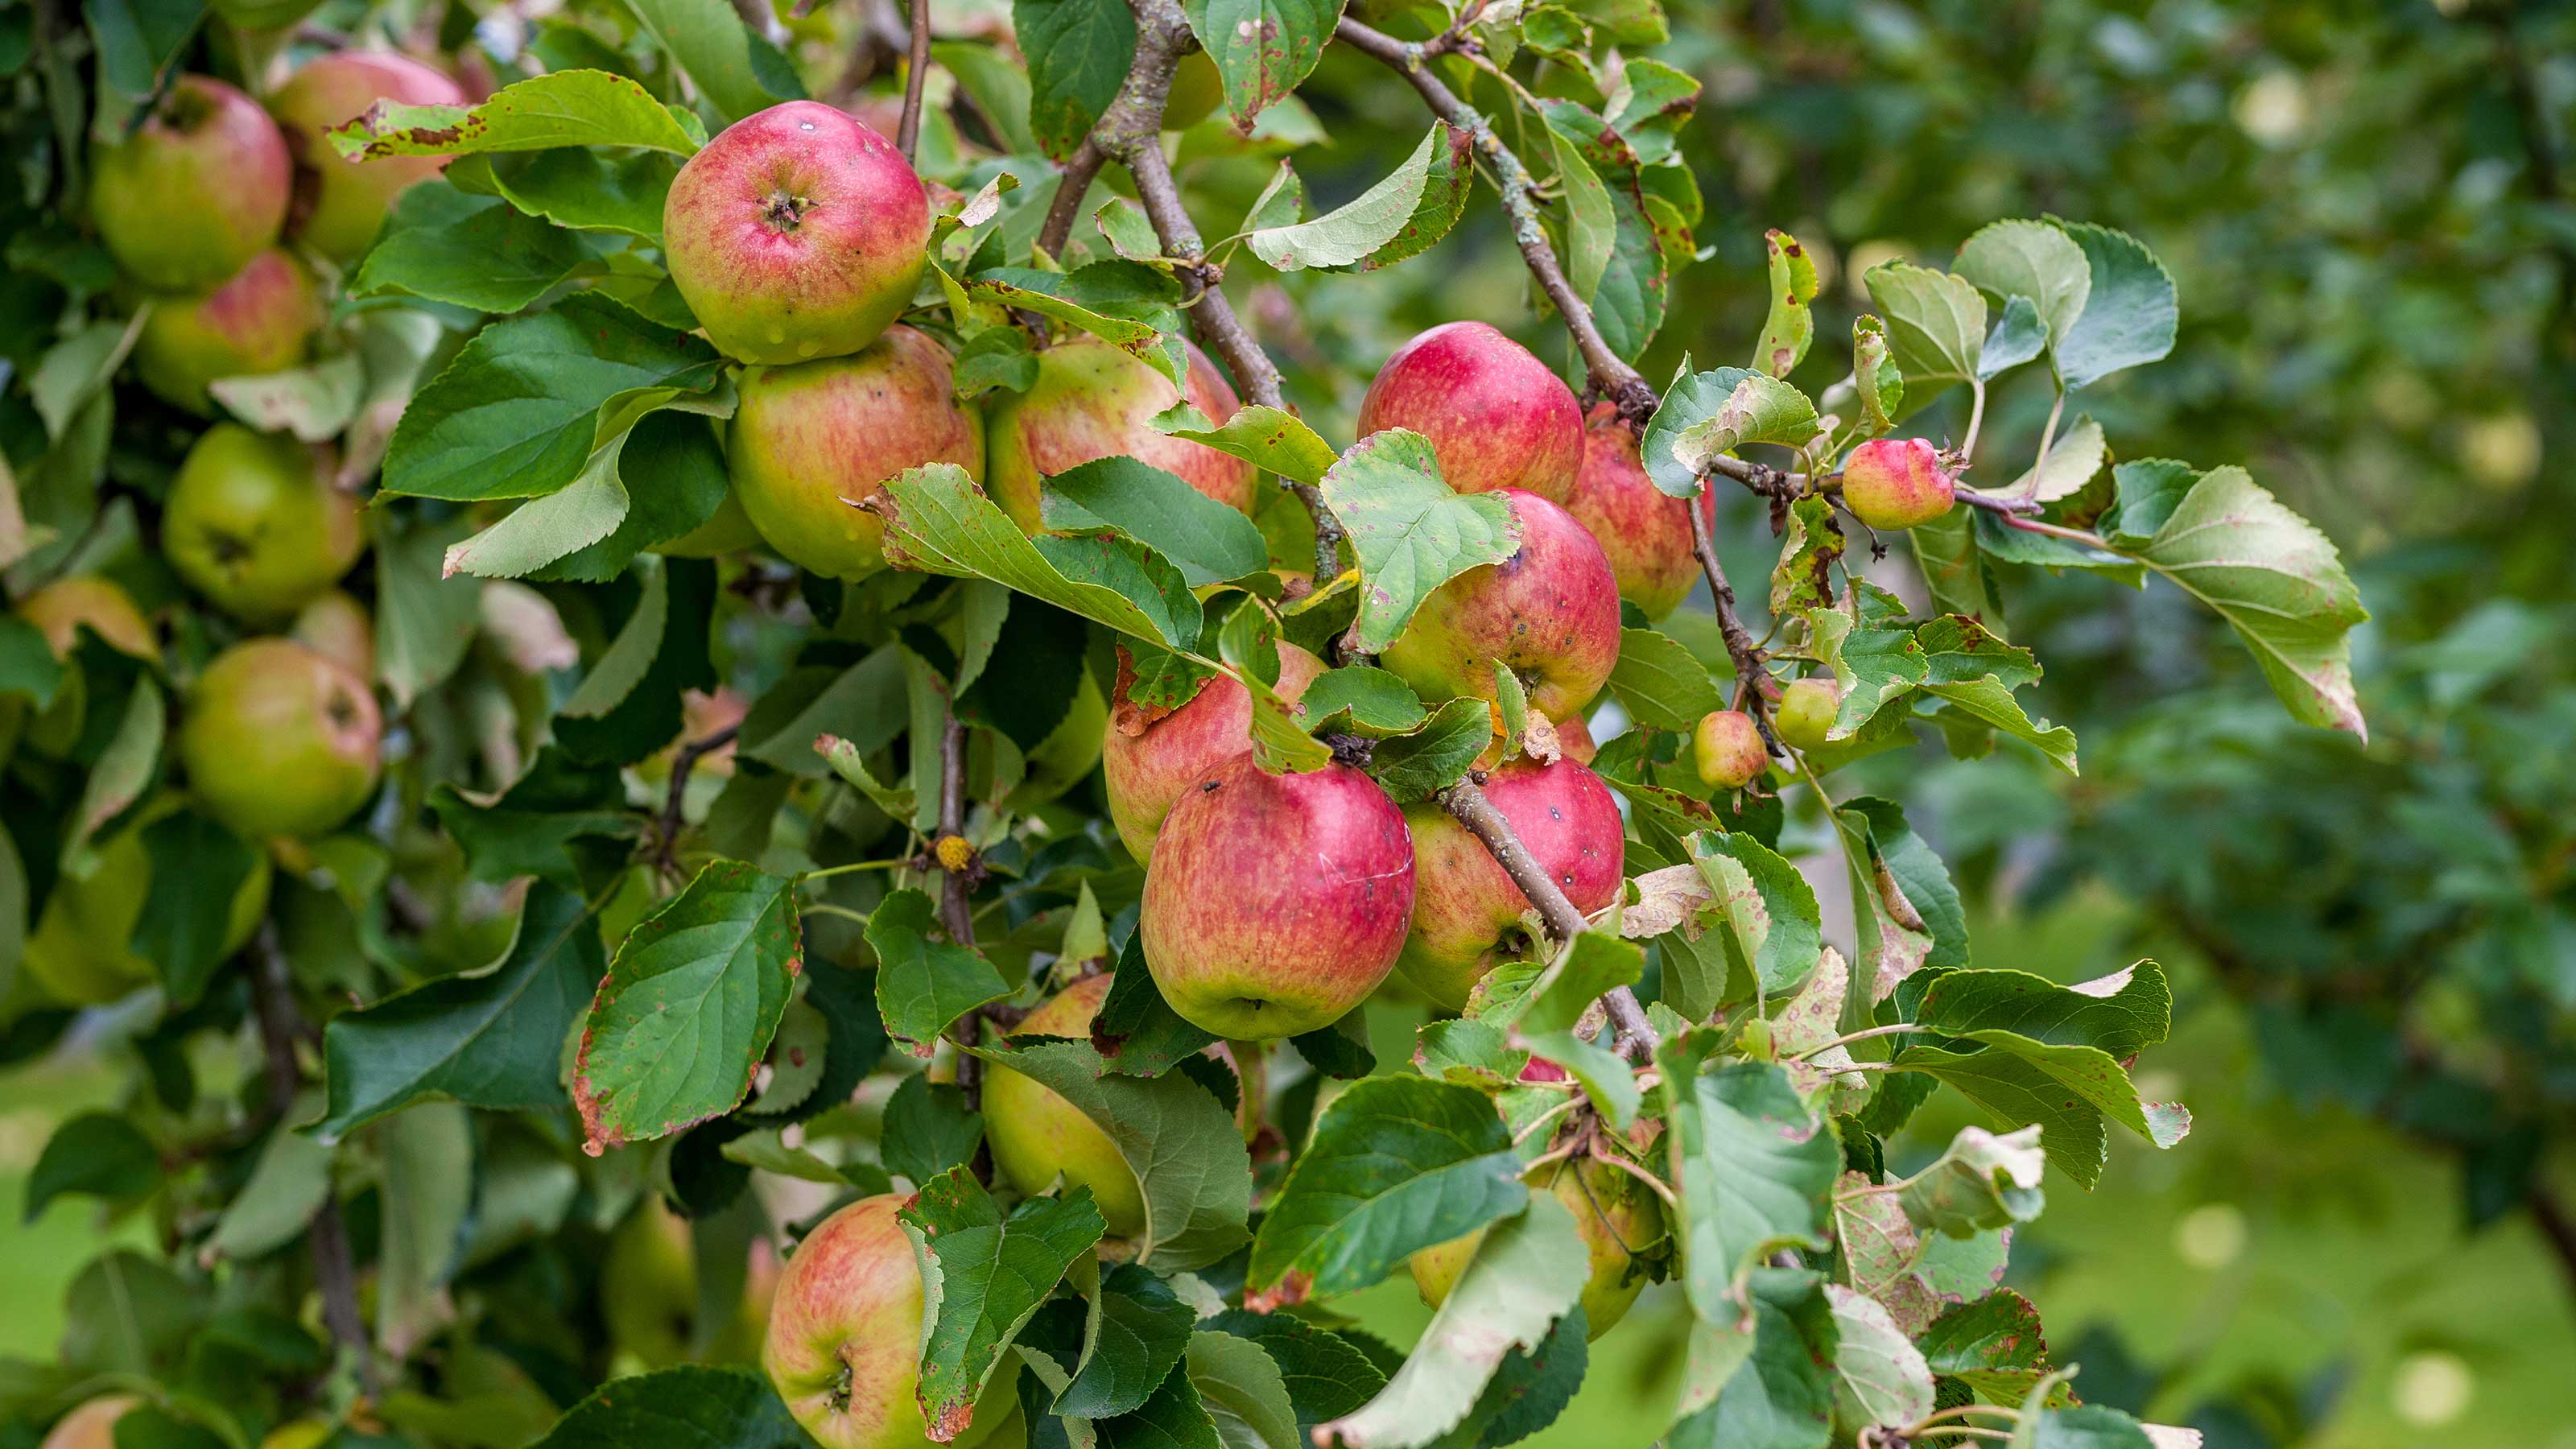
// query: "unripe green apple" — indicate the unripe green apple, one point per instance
point(798, 233)
point(279, 740)
point(1066, 755)
point(1728, 749)
point(1093, 401)
point(1497, 417)
point(1644, 531)
point(260, 320)
point(844, 1345)
point(1464, 904)
point(351, 198)
point(193, 193)
point(1616, 1216)
point(1275, 903)
point(338, 628)
point(1148, 769)
point(810, 441)
point(1896, 483)
point(308, 1432)
point(648, 1294)
point(92, 1425)
point(61, 608)
point(80, 951)
point(1806, 712)
point(255, 524)
point(1036, 1135)
point(1549, 613)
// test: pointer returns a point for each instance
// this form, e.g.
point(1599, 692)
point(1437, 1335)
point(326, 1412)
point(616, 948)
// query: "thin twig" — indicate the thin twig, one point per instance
point(1662, 1190)
point(907, 134)
point(1072, 186)
point(1730, 626)
point(674, 802)
point(956, 857)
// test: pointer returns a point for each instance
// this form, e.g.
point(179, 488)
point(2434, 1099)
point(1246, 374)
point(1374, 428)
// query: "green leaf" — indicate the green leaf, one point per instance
point(982, 1276)
point(1354, 231)
point(96, 1154)
point(1141, 1332)
point(1792, 323)
point(702, 1408)
point(1078, 54)
point(686, 1010)
point(1445, 190)
point(1326, 1375)
point(139, 41)
point(937, 519)
point(1262, 48)
point(1770, 925)
point(2030, 259)
point(735, 69)
point(1396, 1164)
point(76, 370)
point(1879, 1376)
point(1174, 1418)
point(1419, 765)
point(533, 827)
point(670, 471)
point(1244, 1392)
point(1754, 1164)
point(491, 1038)
point(923, 985)
point(1875, 375)
point(424, 621)
point(1936, 326)
point(2123, 1013)
point(1410, 531)
point(1591, 226)
point(1248, 642)
point(1778, 1389)
point(1994, 1345)
point(126, 1313)
point(2071, 463)
point(427, 1190)
point(862, 706)
point(2131, 314)
point(565, 108)
point(288, 1184)
point(474, 251)
point(929, 1129)
point(1661, 683)
point(1979, 1182)
point(1955, 572)
point(1272, 439)
point(1209, 541)
point(2087, 1426)
point(576, 186)
point(2020, 334)
point(198, 869)
point(1918, 875)
point(124, 769)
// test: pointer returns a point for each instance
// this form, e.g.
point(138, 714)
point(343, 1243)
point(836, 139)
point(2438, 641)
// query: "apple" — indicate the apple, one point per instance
point(1574, 736)
point(1549, 613)
point(1615, 1214)
point(196, 191)
point(350, 199)
point(798, 233)
point(80, 952)
point(1148, 770)
point(260, 320)
point(1645, 531)
point(648, 1293)
point(1464, 904)
point(278, 739)
point(92, 1425)
point(255, 524)
point(844, 1344)
point(61, 608)
point(1806, 712)
point(1728, 750)
point(809, 441)
point(1895, 483)
point(309, 1432)
point(1091, 401)
point(1066, 755)
point(1283, 899)
point(1037, 1136)
point(1496, 415)
point(337, 627)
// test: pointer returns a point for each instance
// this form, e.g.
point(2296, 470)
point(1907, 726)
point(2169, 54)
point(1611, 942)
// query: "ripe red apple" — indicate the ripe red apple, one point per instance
point(1275, 903)
point(1464, 904)
point(844, 1345)
point(59, 609)
point(1896, 483)
point(1728, 750)
point(1550, 613)
point(279, 740)
point(1574, 736)
point(1036, 1135)
point(1616, 1216)
point(255, 524)
point(1645, 531)
point(1806, 712)
point(196, 191)
point(810, 440)
point(351, 198)
point(1093, 401)
point(262, 320)
point(1147, 772)
point(797, 233)
point(81, 950)
point(92, 1425)
point(1496, 415)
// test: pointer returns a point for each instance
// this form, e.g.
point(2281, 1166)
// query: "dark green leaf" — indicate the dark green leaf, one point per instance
point(983, 1275)
point(1209, 541)
point(929, 1129)
point(98, 1154)
point(474, 251)
point(1143, 1330)
point(198, 870)
point(680, 1408)
point(923, 985)
point(1078, 53)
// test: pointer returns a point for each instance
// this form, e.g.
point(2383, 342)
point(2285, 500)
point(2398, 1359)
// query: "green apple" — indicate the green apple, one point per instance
point(255, 524)
point(61, 608)
point(648, 1293)
point(351, 198)
point(262, 319)
point(1806, 712)
point(1037, 1136)
point(191, 195)
point(79, 950)
point(279, 739)
point(1616, 1216)
point(308, 1432)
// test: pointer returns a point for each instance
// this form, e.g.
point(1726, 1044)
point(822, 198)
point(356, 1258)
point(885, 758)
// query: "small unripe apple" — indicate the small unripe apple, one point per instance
point(1091, 401)
point(648, 1294)
point(1464, 903)
point(260, 320)
point(809, 441)
point(1615, 1214)
point(195, 192)
point(255, 524)
point(1728, 749)
point(309, 1432)
point(338, 628)
point(844, 1343)
point(1645, 532)
point(279, 740)
point(1496, 415)
point(92, 1425)
point(1896, 483)
point(61, 608)
point(1549, 613)
point(1275, 903)
point(798, 233)
point(81, 951)
point(1036, 1135)
point(350, 199)
point(1806, 712)
point(1147, 772)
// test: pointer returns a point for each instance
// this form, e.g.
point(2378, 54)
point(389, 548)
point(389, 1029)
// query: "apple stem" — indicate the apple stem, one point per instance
point(674, 801)
point(1730, 625)
point(907, 136)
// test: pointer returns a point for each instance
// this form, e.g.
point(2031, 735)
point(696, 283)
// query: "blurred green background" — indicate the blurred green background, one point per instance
point(2370, 1237)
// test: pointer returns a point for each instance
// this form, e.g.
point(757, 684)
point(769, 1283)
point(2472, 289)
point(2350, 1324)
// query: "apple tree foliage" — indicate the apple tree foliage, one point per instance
point(594, 955)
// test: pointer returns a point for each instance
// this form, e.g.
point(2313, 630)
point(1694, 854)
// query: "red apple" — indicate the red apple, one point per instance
point(1806, 712)
point(280, 740)
point(255, 524)
point(351, 198)
point(798, 233)
point(195, 192)
point(1496, 415)
point(1151, 768)
point(1574, 736)
point(812, 439)
point(1037, 1136)
point(59, 609)
point(1896, 483)
point(1092, 400)
point(1464, 904)
point(1549, 613)
point(1645, 531)
point(1614, 1213)
point(262, 320)
point(1728, 750)
point(1275, 903)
